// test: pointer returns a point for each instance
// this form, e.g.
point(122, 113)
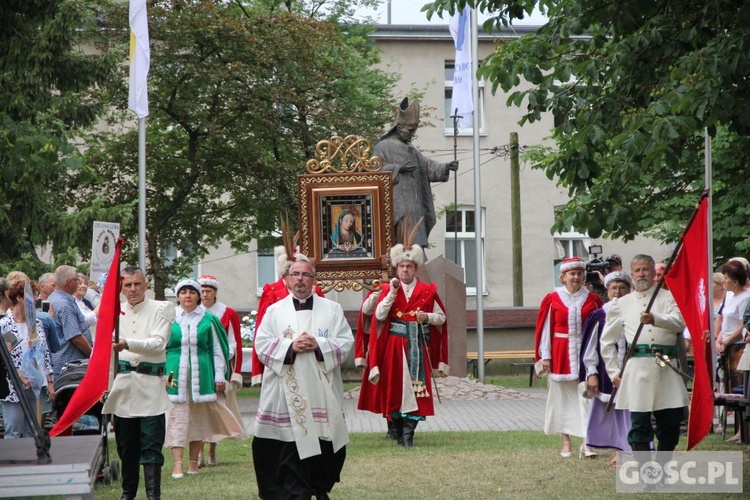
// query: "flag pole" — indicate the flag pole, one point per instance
point(142, 193)
point(659, 285)
point(708, 176)
point(477, 196)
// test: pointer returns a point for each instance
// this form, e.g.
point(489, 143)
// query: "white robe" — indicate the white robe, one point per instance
point(303, 402)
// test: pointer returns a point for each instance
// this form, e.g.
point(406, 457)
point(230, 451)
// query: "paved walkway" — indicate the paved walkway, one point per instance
point(466, 406)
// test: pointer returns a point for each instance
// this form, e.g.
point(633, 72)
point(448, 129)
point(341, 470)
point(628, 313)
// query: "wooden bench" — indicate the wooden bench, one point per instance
point(472, 360)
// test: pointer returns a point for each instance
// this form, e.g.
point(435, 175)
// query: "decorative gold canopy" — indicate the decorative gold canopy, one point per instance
point(344, 155)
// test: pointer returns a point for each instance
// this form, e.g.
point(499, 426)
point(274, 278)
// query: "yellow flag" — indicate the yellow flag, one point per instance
point(140, 58)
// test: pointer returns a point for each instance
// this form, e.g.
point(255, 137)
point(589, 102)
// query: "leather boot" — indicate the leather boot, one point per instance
point(641, 446)
point(398, 426)
point(152, 476)
point(391, 434)
point(410, 425)
point(130, 473)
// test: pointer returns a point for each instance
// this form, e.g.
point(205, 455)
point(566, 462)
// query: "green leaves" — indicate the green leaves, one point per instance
point(632, 98)
point(238, 100)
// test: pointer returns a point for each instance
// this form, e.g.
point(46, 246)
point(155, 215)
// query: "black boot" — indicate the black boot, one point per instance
point(391, 434)
point(130, 472)
point(410, 425)
point(398, 427)
point(152, 476)
point(641, 446)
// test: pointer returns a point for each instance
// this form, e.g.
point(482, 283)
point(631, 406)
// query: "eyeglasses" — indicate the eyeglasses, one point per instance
point(297, 274)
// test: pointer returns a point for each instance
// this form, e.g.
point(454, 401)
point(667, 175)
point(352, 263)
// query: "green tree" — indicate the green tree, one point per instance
point(632, 86)
point(239, 94)
point(47, 97)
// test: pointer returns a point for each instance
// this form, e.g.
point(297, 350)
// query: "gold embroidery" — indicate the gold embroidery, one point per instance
point(296, 401)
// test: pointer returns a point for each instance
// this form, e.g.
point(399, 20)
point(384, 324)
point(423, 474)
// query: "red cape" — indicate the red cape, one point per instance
point(384, 349)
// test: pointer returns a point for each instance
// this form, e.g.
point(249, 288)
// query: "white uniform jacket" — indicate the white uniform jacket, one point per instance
point(645, 385)
point(146, 327)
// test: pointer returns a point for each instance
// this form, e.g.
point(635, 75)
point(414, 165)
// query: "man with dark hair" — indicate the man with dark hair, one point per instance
point(646, 388)
point(138, 398)
point(615, 262)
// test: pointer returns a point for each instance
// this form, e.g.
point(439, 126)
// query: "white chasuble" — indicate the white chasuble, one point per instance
point(303, 401)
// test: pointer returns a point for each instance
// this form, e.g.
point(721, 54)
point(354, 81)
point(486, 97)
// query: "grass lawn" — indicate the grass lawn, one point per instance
point(508, 464)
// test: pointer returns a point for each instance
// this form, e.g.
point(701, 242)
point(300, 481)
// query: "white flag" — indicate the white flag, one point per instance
point(462, 103)
point(140, 58)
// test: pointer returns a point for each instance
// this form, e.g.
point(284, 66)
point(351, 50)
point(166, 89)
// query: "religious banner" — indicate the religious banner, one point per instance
point(103, 242)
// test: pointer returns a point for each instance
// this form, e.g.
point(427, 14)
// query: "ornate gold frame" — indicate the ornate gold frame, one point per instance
point(345, 175)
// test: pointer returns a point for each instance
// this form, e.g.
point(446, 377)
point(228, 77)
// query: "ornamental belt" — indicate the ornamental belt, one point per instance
point(405, 329)
point(144, 367)
point(416, 339)
point(650, 350)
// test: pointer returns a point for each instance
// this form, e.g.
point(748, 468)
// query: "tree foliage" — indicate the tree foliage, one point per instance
point(239, 95)
point(632, 86)
point(47, 97)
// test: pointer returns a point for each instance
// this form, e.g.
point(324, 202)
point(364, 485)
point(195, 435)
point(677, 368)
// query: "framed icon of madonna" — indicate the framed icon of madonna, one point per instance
point(346, 224)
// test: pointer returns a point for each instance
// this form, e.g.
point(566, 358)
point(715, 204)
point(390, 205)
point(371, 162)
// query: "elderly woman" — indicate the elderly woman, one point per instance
point(558, 345)
point(197, 354)
point(605, 430)
point(14, 325)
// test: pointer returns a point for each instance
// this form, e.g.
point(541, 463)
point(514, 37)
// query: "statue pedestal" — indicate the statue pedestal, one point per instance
point(449, 278)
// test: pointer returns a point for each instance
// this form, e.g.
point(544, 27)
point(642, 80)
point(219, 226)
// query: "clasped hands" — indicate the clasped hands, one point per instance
point(304, 343)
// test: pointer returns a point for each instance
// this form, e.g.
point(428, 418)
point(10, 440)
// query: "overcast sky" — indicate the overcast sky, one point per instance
point(408, 12)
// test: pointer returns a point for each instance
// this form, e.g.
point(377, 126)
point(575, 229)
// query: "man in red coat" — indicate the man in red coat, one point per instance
point(412, 341)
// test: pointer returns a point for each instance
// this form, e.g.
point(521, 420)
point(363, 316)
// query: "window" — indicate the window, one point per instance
point(449, 65)
point(266, 269)
point(460, 236)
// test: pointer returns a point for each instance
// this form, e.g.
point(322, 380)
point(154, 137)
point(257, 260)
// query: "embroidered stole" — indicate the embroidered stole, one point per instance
point(305, 383)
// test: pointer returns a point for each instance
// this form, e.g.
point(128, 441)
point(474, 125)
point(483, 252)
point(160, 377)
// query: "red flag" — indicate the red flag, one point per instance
point(690, 283)
point(96, 381)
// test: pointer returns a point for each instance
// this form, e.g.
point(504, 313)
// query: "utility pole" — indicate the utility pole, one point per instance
point(515, 216)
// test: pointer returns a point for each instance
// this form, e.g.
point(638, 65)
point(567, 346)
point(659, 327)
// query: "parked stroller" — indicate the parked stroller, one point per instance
point(92, 422)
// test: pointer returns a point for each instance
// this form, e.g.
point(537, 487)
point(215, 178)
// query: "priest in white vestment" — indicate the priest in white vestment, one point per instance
point(300, 433)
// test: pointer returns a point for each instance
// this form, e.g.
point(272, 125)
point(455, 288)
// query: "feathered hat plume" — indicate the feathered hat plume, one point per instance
point(406, 249)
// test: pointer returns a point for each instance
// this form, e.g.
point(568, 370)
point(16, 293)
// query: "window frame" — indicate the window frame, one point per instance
point(464, 236)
